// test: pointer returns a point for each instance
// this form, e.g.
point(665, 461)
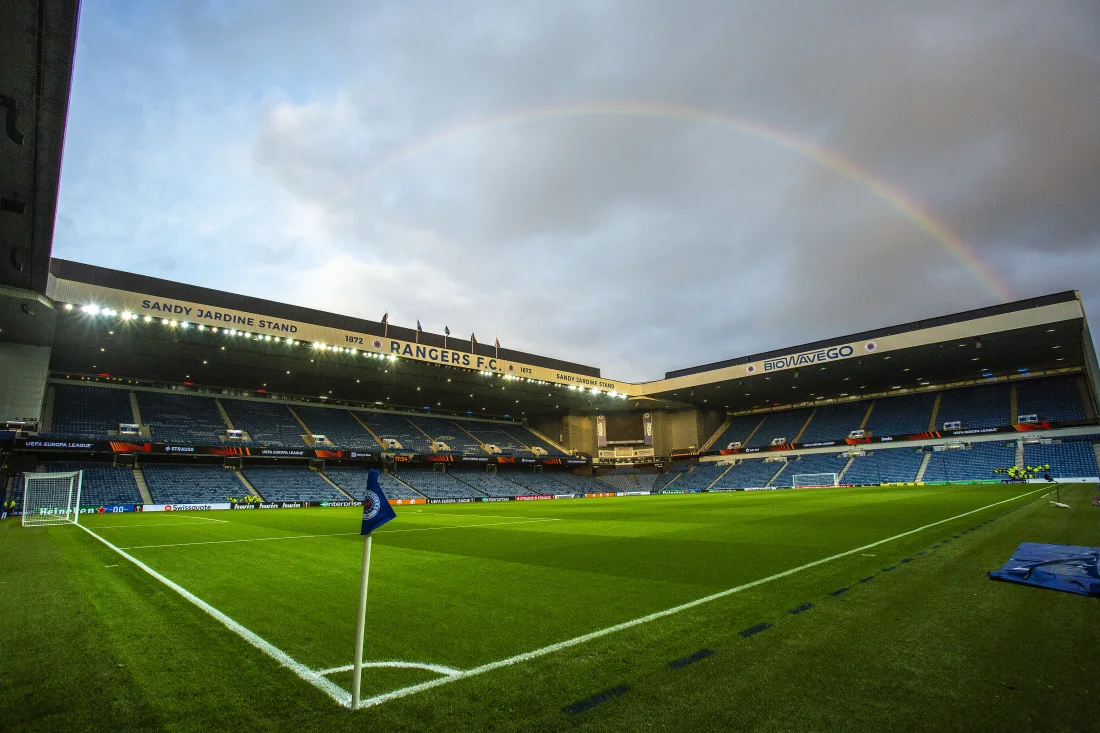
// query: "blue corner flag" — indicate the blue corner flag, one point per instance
point(376, 508)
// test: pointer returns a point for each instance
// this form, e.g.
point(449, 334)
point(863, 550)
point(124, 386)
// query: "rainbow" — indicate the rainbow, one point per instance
point(885, 191)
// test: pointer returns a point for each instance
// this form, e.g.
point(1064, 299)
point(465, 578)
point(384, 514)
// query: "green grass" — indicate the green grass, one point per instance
point(94, 643)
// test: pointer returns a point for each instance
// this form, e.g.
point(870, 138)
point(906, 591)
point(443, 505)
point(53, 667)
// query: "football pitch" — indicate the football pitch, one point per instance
point(861, 608)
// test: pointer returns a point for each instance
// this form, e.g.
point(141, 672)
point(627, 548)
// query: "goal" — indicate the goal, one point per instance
point(51, 498)
point(800, 480)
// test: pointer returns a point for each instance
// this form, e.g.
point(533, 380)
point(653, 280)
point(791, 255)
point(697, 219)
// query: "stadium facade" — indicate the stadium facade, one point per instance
point(156, 387)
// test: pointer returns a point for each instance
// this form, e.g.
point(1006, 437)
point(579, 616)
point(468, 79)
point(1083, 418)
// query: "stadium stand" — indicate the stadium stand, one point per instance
point(490, 484)
point(354, 482)
point(701, 476)
point(102, 485)
point(291, 484)
point(976, 407)
point(814, 463)
point(737, 431)
point(1068, 459)
point(437, 484)
point(834, 422)
point(396, 427)
point(89, 412)
point(526, 437)
point(748, 473)
point(897, 465)
point(1056, 399)
point(175, 484)
point(973, 464)
point(179, 418)
point(546, 483)
point(448, 432)
point(490, 434)
point(339, 426)
point(267, 423)
point(629, 479)
point(902, 415)
point(784, 424)
point(674, 471)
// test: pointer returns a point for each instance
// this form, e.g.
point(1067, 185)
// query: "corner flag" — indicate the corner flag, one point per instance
point(376, 508)
point(376, 512)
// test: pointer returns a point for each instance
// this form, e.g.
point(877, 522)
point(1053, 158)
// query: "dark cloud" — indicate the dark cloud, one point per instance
point(342, 137)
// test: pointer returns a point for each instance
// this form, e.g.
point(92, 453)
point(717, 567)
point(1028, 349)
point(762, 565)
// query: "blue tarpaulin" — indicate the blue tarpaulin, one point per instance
point(1071, 568)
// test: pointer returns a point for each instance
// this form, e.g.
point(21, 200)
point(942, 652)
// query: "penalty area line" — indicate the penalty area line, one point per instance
point(337, 693)
point(413, 689)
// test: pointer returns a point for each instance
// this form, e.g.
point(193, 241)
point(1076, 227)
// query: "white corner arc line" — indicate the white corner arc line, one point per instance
point(333, 534)
point(337, 693)
point(437, 668)
point(412, 689)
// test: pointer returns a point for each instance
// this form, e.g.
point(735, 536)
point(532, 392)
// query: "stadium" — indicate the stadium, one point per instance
point(795, 539)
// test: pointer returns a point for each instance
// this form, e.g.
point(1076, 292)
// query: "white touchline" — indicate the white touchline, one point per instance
point(335, 534)
point(151, 524)
point(412, 689)
point(322, 683)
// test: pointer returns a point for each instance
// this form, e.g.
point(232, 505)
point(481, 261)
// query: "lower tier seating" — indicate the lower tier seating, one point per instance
point(291, 484)
point(748, 473)
point(192, 484)
point(897, 465)
point(490, 484)
point(354, 482)
point(973, 464)
point(438, 485)
point(1068, 459)
point(102, 484)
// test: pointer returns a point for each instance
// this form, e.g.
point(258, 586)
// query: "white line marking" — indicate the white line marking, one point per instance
point(337, 693)
point(152, 524)
point(486, 516)
point(437, 668)
point(208, 519)
point(332, 534)
point(412, 689)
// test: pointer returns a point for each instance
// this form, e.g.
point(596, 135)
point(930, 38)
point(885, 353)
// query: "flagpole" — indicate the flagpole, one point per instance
point(360, 626)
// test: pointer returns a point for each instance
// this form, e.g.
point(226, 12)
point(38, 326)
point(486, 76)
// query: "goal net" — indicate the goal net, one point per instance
point(51, 498)
point(813, 479)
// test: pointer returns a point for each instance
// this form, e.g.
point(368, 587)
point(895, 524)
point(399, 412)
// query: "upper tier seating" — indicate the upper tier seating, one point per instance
point(903, 415)
point(813, 463)
point(267, 423)
point(1068, 459)
point(387, 425)
point(446, 431)
point(786, 424)
point(490, 484)
point(749, 473)
point(737, 431)
point(526, 437)
point(976, 407)
point(354, 482)
point(1056, 399)
point(102, 484)
point(174, 484)
point(437, 485)
point(896, 465)
point(339, 426)
point(493, 435)
point(89, 412)
point(181, 418)
point(834, 422)
point(291, 484)
point(974, 464)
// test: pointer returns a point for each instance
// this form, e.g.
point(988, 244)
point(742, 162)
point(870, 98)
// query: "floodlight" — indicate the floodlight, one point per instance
point(90, 309)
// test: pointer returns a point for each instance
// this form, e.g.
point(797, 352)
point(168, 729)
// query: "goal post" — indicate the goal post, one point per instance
point(805, 480)
point(51, 498)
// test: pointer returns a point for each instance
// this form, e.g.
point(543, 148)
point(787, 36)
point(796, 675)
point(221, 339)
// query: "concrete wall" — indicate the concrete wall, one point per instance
point(23, 374)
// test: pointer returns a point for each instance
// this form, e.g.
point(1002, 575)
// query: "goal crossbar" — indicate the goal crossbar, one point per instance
point(51, 498)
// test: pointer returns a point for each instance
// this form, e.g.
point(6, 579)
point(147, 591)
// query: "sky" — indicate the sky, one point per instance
point(634, 185)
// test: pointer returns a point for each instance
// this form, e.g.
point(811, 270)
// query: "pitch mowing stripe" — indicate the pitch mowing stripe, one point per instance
point(335, 534)
point(337, 693)
point(413, 689)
